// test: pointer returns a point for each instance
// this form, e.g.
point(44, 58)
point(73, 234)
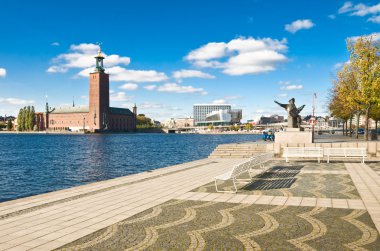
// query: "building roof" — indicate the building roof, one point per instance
point(211, 104)
point(71, 109)
point(121, 111)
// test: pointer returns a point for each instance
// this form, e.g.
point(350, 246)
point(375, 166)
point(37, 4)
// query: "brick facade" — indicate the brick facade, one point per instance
point(98, 116)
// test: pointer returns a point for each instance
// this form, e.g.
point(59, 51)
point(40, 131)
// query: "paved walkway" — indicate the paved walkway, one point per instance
point(367, 183)
point(273, 200)
point(49, 221)
point(52, 220)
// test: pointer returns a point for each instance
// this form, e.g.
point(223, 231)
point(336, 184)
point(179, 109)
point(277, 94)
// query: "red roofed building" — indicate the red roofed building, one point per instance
point(98, 116)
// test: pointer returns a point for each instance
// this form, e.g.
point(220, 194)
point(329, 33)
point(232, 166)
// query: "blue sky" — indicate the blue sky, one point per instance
point(166, 56)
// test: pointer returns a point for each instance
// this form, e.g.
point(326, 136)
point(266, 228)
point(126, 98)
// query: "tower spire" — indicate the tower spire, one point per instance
point(99, 61)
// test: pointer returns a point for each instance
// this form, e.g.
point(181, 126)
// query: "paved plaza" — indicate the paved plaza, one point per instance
point(293, 206)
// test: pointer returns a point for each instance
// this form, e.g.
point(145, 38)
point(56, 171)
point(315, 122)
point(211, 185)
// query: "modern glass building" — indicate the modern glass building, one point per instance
point(215, 114)
point(200, 111)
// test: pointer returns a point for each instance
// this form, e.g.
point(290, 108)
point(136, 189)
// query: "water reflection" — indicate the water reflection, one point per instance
point(34, 164)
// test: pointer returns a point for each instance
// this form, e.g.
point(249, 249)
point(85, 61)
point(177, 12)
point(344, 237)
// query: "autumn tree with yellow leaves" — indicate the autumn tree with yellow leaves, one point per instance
point(357, 86)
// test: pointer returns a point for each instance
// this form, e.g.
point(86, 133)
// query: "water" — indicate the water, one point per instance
point(33, 164)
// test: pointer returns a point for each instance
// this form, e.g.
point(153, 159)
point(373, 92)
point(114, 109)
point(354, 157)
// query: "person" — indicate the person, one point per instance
point(265, 135)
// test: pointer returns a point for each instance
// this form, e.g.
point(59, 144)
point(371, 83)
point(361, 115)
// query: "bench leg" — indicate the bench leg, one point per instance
point(286, 160)
point(233, 180)
point(328, 158)
point(319, 160)
point(216, 186)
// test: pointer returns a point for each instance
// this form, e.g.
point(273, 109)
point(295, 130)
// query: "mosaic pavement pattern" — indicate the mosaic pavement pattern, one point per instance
point(374, 166)
point(288, 180)
point(196, 225)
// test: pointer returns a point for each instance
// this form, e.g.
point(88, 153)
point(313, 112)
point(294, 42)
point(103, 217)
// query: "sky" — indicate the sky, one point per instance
point(166, 55)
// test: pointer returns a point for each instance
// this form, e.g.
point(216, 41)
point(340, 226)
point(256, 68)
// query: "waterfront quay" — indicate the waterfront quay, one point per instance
point(301, 205)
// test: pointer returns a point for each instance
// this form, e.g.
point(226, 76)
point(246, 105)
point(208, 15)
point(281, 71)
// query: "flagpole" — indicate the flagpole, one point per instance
point(314, 119)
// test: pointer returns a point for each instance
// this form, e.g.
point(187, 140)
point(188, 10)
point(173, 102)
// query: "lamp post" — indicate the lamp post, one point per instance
point(84, 124)
point(312, 124)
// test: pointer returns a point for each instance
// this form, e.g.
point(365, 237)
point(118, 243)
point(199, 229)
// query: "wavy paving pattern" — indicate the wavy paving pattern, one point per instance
point(319, 229)
point(196, 225)
point(369, 234)
point(270, 225)
point(303, 185)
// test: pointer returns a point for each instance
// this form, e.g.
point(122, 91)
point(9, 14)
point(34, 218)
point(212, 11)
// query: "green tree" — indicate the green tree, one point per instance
point(32, 118)
point(20, 120)
point(28, 125)
point(248, 126)
point(143, 121)
point(9, 125)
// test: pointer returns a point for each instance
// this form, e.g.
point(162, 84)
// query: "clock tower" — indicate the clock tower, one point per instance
point(99, 96)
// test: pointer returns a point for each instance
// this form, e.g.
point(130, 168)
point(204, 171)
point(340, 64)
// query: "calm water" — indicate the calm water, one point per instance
point(34, 164)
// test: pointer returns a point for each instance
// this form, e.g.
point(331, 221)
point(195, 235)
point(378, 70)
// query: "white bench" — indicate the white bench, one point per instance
point(346, 153)
point(303, 152)
point(246, 166)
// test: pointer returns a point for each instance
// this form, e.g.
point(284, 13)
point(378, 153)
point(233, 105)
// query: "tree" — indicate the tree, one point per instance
point(20, 120)
point(375, 115)
point(32, 118)
point(248, 126)
point(344, 95)
point(365, 67)
point(9, 125)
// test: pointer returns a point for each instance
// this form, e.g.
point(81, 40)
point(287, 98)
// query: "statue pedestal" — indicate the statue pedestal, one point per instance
point(293, 135)
point(293, 129)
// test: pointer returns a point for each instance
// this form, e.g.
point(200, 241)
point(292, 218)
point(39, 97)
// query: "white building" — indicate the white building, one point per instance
point(200, 111)
point(178, 123)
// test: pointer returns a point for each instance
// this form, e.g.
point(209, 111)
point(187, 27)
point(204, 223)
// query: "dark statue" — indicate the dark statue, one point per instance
point(294, 119)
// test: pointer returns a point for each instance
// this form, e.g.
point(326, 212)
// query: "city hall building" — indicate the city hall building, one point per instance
point(98, 116)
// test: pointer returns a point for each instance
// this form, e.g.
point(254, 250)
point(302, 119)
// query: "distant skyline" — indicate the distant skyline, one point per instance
point(166, 56)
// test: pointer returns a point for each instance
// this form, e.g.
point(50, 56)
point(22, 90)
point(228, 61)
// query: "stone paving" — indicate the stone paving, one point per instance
point(297, 180)
point(323, 207)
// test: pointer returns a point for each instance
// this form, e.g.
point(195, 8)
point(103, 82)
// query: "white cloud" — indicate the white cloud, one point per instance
point(331, 16)
point(129, 86)
point(55, 44)
point(284, 82)
point(118, 73)
point(208, 51)
point(3, 72)
point(374, 19)
point(173, 87)
point(338, 65)
point(292, 87)
point(231, 97)
point(85, 97)
point(219, 101)
point(364, 10)
point(347, 6)
point(297, 25)
point(191, 74)
point(57, 69)
point(361, 10)
point(282, 95)
point(16, 101)
point(82, 56)
point(375, 37)
point(240, 56)
point(150, 87)
point(151, 105)
point(119, 96)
